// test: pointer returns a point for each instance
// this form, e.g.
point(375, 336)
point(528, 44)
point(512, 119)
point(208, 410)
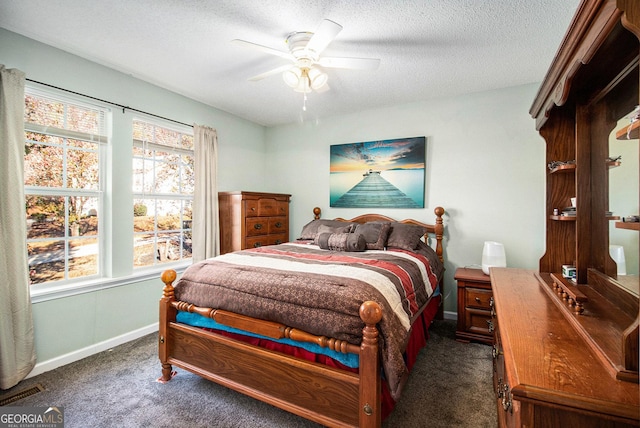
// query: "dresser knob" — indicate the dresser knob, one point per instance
point(490, 325)
point(506, 399)
point(257, 245)
point(478, 300)
point(278, 225)
point(495, 352)
point(257, 226)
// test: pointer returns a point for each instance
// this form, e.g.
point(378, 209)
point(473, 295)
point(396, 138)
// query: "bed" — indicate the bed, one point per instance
point(311, 326)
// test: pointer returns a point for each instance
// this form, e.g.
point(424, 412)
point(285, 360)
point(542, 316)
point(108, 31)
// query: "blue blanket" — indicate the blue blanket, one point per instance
point(196, 320)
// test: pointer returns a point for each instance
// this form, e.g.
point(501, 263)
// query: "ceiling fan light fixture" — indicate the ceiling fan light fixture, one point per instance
point(317, 78)
point(304, 85)
point(292, 77)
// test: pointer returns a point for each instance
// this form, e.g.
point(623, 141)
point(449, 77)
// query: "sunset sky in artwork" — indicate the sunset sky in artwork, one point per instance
point(405, 153)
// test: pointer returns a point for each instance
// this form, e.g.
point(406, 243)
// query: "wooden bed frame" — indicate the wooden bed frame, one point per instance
point(326, 395)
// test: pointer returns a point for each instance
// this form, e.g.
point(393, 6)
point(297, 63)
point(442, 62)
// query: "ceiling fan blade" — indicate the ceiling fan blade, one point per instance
point(350, 63)
point(280, 69)
point(326, 32)
point(265, 49)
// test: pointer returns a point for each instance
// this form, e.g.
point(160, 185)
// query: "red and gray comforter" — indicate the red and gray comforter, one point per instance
point(320, 291)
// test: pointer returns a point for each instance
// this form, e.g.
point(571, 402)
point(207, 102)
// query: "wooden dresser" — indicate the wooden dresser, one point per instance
point(546, 373)
point(252, 219)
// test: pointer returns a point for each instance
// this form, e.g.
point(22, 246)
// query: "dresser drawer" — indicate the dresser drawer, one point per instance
point(267, 207)
point(257, 226)
point(478, 298)
point(251, 207)
point(262, 241)
point(278, 225)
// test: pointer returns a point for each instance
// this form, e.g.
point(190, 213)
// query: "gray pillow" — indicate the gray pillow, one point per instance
point(405, 236)
point(323, 228)
point(375, 234)
point(310, 230)
point(342, 241)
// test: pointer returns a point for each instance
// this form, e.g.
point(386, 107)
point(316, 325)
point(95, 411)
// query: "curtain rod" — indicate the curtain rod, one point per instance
point(110, 103)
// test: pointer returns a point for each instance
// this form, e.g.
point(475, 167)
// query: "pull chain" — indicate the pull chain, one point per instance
point(304, 102)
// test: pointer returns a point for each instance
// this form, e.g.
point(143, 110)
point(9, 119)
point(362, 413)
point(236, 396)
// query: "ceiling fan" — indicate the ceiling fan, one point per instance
point(305, 49)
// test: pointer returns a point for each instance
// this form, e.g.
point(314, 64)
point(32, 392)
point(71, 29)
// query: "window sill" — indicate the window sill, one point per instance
point(71, 289)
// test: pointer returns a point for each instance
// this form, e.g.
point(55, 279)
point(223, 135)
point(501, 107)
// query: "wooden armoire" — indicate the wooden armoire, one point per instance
point(566, 352)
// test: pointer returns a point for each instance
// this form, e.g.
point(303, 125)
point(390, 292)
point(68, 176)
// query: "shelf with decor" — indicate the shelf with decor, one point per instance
point(627, 225)
point(573, 218)
point(631, 132)
point(563, 217)
point(570, 167)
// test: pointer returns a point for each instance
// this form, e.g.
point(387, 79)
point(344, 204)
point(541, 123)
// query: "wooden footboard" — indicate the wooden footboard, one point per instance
point(326, 395)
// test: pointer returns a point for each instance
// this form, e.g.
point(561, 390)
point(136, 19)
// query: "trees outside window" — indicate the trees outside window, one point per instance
point(163, 182)
point(64, 140)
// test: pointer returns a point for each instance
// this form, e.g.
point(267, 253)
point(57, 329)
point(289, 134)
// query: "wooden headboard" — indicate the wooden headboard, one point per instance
point(436, 229)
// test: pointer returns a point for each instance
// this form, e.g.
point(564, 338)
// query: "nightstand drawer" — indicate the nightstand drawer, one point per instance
point(477, 321)
point(478, 298)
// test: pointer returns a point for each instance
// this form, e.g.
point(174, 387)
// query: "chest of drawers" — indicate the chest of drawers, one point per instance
point(252, 219)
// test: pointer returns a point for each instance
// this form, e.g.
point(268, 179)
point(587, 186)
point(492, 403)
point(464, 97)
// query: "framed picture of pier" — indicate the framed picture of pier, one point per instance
point(378, 174)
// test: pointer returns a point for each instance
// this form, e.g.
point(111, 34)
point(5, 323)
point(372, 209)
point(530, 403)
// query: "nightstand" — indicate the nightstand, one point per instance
point(475, 301)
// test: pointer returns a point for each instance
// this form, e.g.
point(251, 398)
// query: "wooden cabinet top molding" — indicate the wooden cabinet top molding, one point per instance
point(597, 24)
point(256, 195)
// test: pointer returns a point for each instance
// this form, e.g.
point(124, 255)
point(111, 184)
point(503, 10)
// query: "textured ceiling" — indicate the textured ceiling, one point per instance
point(427, 48)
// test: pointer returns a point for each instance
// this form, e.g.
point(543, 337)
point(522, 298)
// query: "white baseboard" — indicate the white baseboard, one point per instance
point(79, 354)
point(448, 315)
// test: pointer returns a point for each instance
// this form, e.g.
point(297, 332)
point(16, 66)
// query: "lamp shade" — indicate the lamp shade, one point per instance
point(317, 78)
point(292, 77)
point(493, 255)
point(617, 254)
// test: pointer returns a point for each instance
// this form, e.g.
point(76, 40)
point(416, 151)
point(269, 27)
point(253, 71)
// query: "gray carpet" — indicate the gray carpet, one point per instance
point(450, 386)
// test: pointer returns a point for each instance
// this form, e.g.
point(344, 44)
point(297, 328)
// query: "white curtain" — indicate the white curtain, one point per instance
point(206, 238)
point(17, 351)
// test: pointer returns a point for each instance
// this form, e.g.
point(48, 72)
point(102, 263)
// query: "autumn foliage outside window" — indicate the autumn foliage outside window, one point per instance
point(63, 186)
point(163, 183)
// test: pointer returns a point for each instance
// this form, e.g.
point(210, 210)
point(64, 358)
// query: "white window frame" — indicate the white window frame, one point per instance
point(73, 285)
point(137, 195)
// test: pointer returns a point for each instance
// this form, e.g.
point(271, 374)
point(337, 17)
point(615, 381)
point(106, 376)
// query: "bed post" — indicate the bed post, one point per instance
point(439, 231)
point(370, 407)
point(167, 315)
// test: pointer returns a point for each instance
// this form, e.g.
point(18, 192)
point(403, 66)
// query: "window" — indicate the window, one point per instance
point(64, 142)
point(163, 181)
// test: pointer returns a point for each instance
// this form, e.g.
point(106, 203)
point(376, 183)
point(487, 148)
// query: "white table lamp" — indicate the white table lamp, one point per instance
point(617, 254)
point(493, 255)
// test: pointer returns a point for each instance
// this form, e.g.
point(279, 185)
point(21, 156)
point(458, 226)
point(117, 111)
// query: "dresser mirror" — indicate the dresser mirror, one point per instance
point(623, 202)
